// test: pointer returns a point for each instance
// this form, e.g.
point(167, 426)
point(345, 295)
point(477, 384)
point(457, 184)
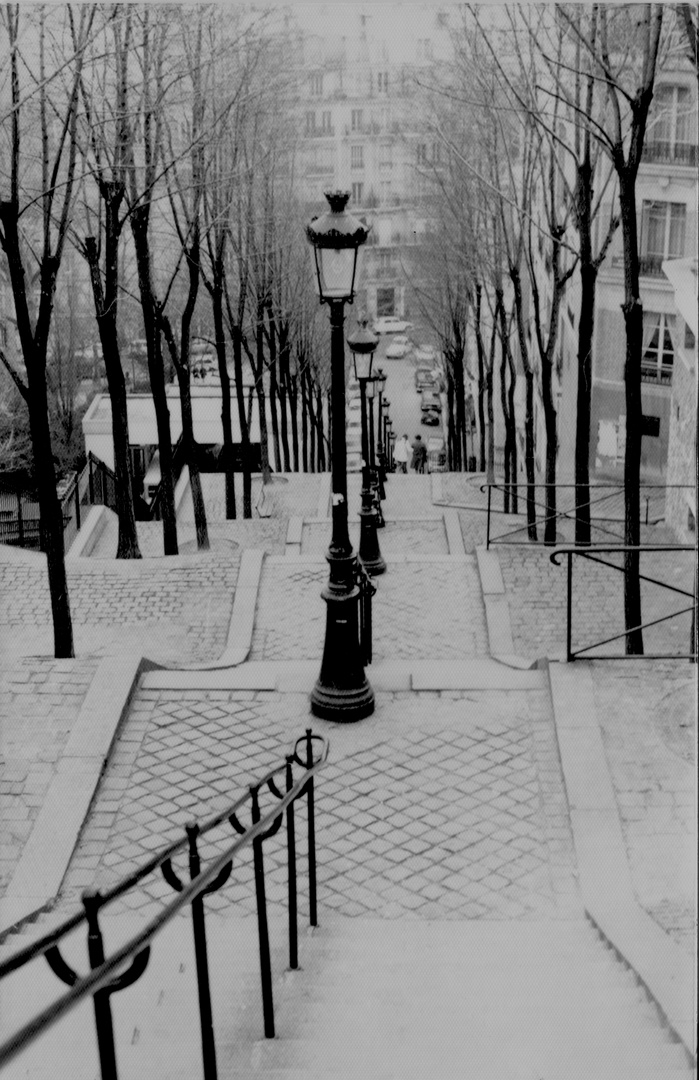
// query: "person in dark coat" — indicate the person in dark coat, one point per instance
point(419, 455)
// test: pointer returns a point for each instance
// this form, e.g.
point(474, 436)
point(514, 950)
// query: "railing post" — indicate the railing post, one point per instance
point(569, 610)
point(312, 890)
point(291, 858)
point(20, 520)
point(103, 1011)
point(262, 926)
point(77, 502)
point(487, 527)
point(208, 1043)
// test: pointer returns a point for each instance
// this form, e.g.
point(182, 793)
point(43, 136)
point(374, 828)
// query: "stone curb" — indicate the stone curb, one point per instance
point(47, 853)
point(242, 621)
point(497, 610)
point(452, 527)
point(388, 676)
point(605, 878)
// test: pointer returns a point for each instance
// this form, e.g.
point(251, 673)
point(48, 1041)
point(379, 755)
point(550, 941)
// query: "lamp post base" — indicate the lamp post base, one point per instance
point(342, 691)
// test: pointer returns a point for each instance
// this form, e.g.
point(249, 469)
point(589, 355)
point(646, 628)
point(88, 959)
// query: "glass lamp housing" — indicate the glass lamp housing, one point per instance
point(336, 237)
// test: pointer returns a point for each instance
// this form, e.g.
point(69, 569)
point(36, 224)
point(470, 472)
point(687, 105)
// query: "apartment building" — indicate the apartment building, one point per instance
point(667, 223)
point(362, 126)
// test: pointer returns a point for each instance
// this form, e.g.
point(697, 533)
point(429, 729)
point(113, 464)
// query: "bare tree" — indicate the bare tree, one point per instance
point(624, 55)
point(35, 212)
point(106, 148)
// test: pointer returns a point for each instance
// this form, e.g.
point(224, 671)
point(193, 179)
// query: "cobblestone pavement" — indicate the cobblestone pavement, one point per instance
point(287, 494)
point(178, 608)
point(407, 496)
point(537, 601)
point(647, 719)
point(397, 537)
point(39, 703)
point(408, 611)
point(269, 534)
point(443, 805)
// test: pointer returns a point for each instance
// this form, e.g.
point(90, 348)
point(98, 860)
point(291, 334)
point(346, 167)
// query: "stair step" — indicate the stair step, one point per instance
point(439, 1070)
point(380, 1058)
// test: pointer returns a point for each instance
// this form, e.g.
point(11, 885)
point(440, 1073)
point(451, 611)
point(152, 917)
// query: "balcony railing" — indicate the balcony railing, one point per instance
point(651, 265)
point(651, 373)
point(319, 133)
point(662, 151)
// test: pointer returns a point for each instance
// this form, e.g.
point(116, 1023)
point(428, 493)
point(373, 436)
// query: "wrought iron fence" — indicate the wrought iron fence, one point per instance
point(593, 554)
point(114, 973)
point(605, 505)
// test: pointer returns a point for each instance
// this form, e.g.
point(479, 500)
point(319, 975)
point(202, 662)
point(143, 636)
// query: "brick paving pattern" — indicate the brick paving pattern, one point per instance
point(453, 807)
point(39, 704)
point(170, 609)
point(397, 537)
point(647, 721)
point(408, 611)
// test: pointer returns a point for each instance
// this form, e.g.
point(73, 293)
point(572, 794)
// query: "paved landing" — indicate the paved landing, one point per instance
point(408, 610)
point(441, 805)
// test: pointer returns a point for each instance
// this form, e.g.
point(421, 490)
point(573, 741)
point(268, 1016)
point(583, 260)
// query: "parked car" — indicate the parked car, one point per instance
point(430, 407)
point(426, 378)
point(426, 354)
point(436, 454)
point(399, 347)
point(391, 324)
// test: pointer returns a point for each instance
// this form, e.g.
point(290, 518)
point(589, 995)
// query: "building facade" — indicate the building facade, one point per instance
point(362, 126)
point(667, 229)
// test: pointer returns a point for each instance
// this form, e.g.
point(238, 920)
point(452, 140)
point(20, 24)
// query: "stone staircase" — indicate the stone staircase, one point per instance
point(376, 1000)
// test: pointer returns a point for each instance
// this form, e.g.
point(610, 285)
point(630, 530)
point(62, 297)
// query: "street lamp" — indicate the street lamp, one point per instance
point(390, 444)
point(381, 457)
point(342, 691)
point(363, 345)
point(373, 471)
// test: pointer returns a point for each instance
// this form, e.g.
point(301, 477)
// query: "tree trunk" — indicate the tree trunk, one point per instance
point(490, 459)
point(156, 372)
point(551, 452)
point(588, 279)
point(246, 451)
point(190, 456)
point(529, 463)
point(51, 518)
point(293, 394)
point(633, 318)
point(106, 301)
point(514, 472)
point(274, 400)
point(261, 404)
point(284, 347)
point(226, 417)
point(305, 408)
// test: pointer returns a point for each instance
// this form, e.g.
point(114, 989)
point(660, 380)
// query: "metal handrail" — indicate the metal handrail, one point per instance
point(99, 984)
point(568, 514)
point(592, 555)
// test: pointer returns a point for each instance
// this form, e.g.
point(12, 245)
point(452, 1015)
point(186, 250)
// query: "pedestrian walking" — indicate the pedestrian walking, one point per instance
point(402, 453)
point(419, 455)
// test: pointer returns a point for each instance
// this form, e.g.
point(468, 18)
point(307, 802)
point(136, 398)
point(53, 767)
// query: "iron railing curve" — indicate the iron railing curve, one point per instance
point(91, 983)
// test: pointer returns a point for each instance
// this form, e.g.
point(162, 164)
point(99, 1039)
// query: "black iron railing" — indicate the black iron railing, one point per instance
point(605, 505)
point(366, 591)
point(594, 555)
point(114, 973)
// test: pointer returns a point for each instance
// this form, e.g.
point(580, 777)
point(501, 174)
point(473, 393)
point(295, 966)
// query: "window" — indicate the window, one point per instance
point(386, 191)
point(436, 152)
point(421, 154)
point(310, 123)
point(385, 156)
point(316, 83)
point(357, 193)
point(385, 301)
point(671, 127)
point(357, 115)
point(326, 122)
point(689, 339)
point(382, 82)
point(385, 261)
point(662, 234)
point(357, 157)
point(658, 348)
